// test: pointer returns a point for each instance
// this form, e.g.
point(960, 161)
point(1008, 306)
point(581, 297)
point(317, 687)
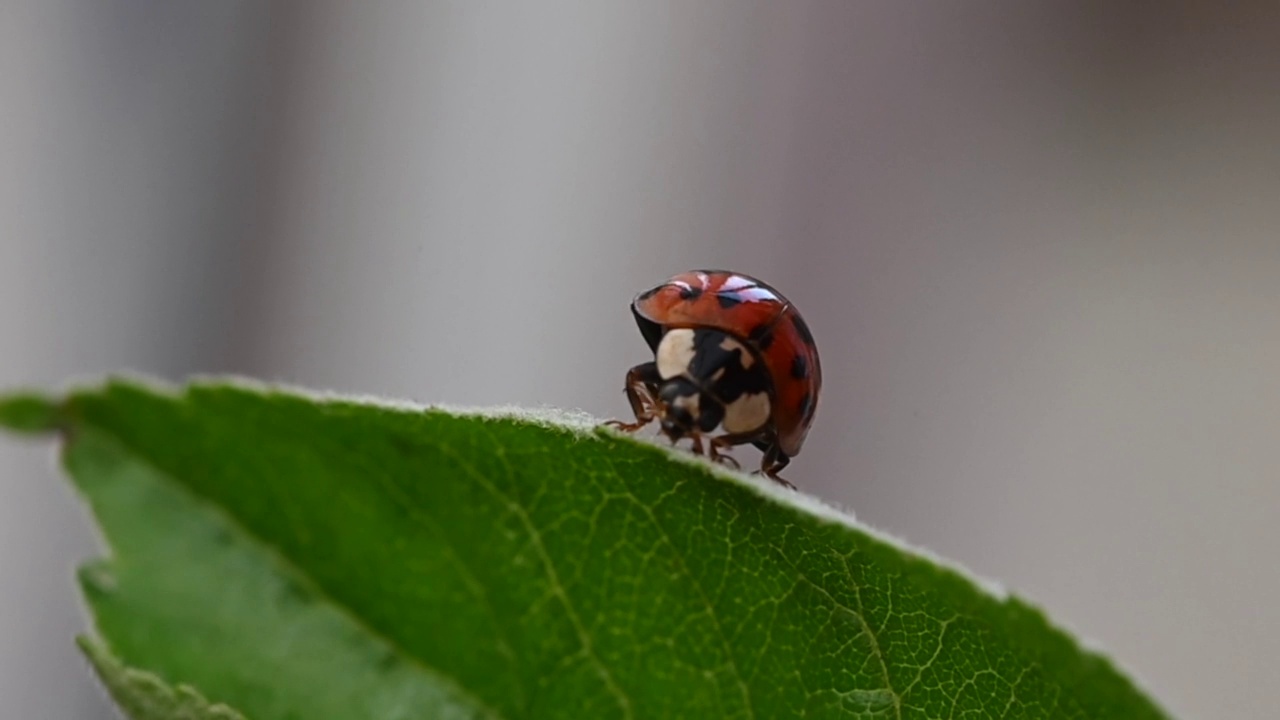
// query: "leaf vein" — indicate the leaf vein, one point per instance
point(553, 576)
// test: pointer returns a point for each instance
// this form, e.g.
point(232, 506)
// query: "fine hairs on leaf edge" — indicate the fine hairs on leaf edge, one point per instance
point(128, 685)
point(583, 425)
point(575, 422)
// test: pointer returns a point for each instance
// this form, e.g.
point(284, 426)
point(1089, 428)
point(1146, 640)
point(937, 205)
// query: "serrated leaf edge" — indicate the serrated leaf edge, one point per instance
point(119, 679)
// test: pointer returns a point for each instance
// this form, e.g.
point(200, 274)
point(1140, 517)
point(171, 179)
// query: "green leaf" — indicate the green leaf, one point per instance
point(28, 413)
point(143, 696)
point(312, 558)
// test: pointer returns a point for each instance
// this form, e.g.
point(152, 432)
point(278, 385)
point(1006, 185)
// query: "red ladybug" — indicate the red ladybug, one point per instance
point(734, 363)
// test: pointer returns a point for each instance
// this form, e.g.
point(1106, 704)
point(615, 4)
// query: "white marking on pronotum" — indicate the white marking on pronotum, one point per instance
point(675, 352)
point(747, 413)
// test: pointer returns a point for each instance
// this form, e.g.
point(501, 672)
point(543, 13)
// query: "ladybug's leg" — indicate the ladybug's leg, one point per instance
point(724, 459)
point(641, 383)
point(697, 445)
point(725, 442)
point(772, 462)
point(720, 443)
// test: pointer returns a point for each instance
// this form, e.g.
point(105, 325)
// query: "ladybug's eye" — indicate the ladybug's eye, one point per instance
point(677, 423)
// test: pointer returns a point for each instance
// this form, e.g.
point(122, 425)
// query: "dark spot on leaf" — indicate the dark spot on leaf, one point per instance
point(293, 592)
point(387, 661)
point(799, 367)
point(403, 444)
point(221, 536)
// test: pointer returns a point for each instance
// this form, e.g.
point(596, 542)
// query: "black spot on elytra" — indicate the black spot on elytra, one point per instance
point(689, 292)
point(799, 367)
point(728, 300)
point(803, 329)
point(806, 406)
point(762, 336)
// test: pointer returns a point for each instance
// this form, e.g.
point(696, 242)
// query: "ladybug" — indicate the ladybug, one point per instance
point(734, 363)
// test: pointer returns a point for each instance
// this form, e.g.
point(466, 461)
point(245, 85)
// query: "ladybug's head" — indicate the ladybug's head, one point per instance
point(680, 409)
point(709, 380)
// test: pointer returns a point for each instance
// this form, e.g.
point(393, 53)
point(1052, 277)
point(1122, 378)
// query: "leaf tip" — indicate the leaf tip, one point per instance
point(29, 413)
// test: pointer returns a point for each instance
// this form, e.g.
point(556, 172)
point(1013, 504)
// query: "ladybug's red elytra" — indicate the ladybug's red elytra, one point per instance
point(734, 363)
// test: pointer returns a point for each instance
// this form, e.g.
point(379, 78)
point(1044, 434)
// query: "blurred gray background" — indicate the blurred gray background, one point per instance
point(1038, 243)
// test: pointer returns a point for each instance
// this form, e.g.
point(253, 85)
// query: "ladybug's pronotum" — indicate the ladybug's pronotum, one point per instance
point(733, 363)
